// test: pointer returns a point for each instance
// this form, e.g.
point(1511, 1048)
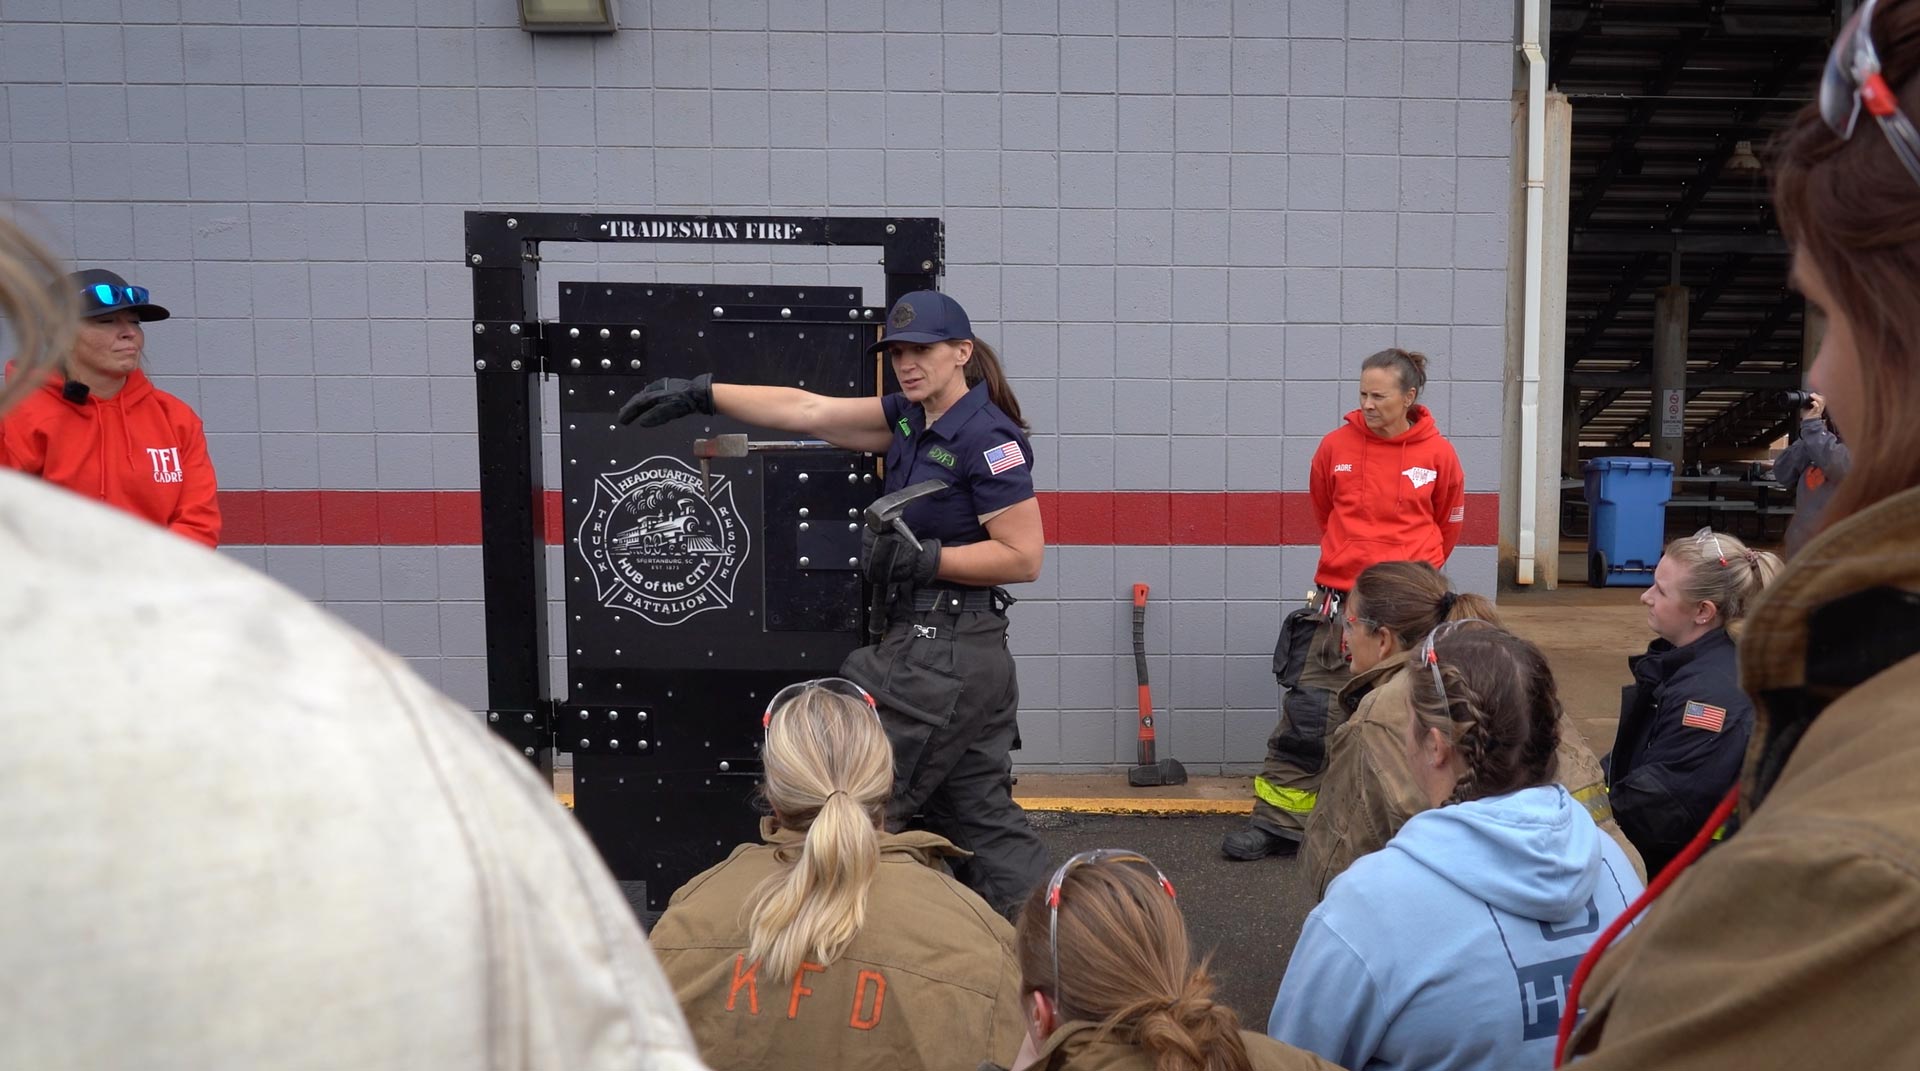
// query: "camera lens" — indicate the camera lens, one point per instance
point(1795, 399)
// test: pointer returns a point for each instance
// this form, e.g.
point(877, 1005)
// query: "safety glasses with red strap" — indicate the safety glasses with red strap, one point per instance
point(1852, 81)
point(1093, 857)
point(836, 685)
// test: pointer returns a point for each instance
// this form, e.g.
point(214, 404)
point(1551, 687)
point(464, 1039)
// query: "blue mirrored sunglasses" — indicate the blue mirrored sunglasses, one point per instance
point(111, 296)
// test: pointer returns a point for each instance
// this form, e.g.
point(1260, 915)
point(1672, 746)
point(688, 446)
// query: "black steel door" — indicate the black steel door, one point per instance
point(690, 599)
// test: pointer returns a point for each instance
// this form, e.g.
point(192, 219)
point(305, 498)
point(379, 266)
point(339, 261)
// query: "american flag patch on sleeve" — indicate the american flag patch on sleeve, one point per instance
point(1701, 716)
point(1005, 456)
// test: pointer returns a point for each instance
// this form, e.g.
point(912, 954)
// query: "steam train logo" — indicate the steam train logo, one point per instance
point(660, 544)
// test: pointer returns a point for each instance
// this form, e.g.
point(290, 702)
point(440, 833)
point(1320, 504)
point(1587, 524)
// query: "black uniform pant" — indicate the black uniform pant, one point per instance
point(1312, 668)
point(949, 697)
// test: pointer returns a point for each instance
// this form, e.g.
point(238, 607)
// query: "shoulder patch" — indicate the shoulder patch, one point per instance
point(1007, 455)
point(1700, 715)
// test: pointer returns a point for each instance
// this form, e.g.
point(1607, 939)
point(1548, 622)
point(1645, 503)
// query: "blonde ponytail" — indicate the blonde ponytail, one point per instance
point(829, 773)
point(1724, 571)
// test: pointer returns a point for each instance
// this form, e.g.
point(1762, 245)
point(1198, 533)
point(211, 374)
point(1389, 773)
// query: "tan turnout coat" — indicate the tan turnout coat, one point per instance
point(1796, 943)
point(931, 980)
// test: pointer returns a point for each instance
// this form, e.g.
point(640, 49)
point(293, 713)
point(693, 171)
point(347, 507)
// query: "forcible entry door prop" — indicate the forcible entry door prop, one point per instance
point(688, 600)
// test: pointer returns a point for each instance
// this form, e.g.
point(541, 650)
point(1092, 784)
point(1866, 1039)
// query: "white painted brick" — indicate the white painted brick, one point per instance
point(1317, 18)
point(1030, 179)
point(1369, 239)
point(1086, 17)
point(1088, 65)
point(1426, 295)
point(152, 54)
point(971, 63)
point(1201, 237)
point(1433, 20)
point(856, 61)
point(1146, 65)
point(1486, 128)
point(1029, 64)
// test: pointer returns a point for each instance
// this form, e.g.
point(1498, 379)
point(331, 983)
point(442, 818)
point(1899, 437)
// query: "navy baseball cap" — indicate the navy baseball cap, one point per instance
point(102, 292)
point(924, 316)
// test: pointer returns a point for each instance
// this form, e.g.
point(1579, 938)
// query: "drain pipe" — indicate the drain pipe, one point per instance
point(1530, 314)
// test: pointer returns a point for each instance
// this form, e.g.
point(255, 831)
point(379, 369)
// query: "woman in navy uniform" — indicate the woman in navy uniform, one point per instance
point(942, 673)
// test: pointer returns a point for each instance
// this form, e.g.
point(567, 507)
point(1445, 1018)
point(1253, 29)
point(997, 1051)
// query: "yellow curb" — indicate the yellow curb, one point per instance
point(1096, 805)
point(1130, 805)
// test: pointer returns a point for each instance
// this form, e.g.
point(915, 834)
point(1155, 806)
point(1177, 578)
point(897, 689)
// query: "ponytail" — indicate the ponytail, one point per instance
point(829, 773)
point(1724, 571)
point(1411, 599)
point(1123, 949)
point(984, 367)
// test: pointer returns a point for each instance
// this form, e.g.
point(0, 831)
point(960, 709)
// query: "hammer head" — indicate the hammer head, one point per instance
point(883, 511)
point(720, 446)
point(887, 511)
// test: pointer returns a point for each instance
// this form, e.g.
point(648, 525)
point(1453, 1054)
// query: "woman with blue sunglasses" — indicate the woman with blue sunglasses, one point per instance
point(1795, 940)
point(100, 428)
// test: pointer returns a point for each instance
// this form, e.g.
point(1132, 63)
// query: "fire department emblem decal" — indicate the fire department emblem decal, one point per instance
point(661, 545)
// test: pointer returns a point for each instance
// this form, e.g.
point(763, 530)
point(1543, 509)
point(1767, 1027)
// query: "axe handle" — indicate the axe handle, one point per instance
point(1140, 673)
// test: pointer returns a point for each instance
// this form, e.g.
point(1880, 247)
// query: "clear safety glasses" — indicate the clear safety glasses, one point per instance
point(1852, 80)
point(1710, 541)
point(1093, 857)
point(837, 685)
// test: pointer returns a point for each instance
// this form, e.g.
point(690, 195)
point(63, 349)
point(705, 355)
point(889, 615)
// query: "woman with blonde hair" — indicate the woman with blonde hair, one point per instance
point(1684, 721)
point(1370, 790)
point(835, 944)
point(1108, 981)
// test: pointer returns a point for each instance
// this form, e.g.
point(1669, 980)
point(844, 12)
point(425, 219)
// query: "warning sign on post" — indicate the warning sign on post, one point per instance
point(1673, 413)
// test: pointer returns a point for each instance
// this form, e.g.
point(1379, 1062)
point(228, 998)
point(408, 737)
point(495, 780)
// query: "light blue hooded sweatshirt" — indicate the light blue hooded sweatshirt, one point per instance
point(1454, 945)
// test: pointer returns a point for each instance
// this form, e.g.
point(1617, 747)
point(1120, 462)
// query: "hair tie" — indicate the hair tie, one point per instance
point(1446, 603)
point(1753, 557)
point(835, 792)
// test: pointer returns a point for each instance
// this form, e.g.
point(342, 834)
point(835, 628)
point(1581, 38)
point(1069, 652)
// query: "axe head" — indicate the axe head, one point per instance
point(720, 446)
point(1164, 772)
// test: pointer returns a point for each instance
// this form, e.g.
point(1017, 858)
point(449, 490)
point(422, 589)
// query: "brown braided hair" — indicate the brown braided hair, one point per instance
point(1501, 709)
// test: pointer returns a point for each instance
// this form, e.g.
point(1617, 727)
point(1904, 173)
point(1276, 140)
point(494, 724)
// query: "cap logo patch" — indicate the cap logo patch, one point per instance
point(902, 316)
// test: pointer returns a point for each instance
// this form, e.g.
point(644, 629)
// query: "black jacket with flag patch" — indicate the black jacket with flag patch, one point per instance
point(1684, 724)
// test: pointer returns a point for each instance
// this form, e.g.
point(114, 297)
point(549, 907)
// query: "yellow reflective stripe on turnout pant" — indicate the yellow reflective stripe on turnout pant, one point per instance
point(1292, 800)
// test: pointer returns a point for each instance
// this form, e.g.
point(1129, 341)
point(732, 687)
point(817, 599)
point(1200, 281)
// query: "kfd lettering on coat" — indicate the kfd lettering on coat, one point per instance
point(869, 992)
point(166, 463)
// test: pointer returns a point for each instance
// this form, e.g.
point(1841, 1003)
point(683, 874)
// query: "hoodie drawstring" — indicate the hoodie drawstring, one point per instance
point(1694, 849)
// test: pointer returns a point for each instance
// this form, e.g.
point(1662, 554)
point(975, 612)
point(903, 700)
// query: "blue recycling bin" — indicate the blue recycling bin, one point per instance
point(1627, 501)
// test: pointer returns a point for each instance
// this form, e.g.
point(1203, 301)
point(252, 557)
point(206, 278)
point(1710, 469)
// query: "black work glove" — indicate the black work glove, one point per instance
point(669, 399)
point(888, 559)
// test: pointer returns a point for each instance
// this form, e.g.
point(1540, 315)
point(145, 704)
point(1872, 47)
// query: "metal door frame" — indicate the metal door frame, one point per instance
point(511, 345)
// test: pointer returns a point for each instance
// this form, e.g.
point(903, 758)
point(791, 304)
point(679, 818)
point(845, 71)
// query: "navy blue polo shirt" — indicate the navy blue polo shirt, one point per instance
point(974, 447)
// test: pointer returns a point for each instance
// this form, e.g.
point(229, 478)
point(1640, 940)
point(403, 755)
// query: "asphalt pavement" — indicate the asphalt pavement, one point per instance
point(1244, 916)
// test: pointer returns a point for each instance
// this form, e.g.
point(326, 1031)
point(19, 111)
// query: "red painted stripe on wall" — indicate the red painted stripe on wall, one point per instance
point(1073, 518)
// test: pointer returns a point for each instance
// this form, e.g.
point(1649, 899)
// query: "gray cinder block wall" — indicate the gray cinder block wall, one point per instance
point(1184, 223)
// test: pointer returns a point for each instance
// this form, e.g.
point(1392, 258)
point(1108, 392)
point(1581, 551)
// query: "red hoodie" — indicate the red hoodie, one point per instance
point(1383, 500)
point(142, 450)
